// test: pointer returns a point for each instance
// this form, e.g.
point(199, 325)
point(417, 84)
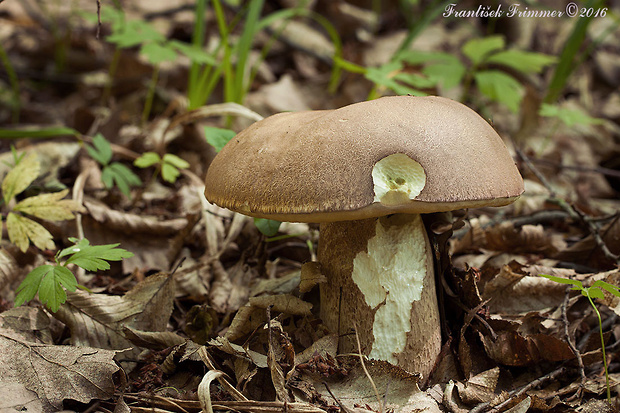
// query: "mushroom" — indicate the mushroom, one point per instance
point(366, 172)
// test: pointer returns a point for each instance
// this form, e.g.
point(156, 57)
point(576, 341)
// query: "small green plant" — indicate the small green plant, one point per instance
point(51, 280)
point(592, 292)
point(113, 172)
point(169, 165)
point(48, 206)
point(154, 46)
point(410, 71)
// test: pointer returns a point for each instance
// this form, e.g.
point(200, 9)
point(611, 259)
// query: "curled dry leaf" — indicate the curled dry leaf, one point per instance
point(514, 291)
point(223, 344)
point(512, 348)
point(133, 223)
point(283, 303)
point(97, 320)
point(148, 237)
point(54, 373)
point(480, 388)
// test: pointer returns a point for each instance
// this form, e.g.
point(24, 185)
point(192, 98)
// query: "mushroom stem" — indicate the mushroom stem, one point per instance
point(380, 276)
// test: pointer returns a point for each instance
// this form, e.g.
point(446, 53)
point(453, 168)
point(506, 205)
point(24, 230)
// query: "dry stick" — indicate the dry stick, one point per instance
point(574, 349)
point(372, 382)
point(343, 407)
point(517, 393)
point(571, 210)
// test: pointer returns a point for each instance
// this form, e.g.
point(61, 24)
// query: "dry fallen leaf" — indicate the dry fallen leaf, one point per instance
point(54, 373)
point(97, 320)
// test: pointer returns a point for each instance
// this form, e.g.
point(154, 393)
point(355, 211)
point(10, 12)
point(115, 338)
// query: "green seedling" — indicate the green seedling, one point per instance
point(592, 292)
point(112, 172)
point(154, 46)
point(48, 206)
point(169, 165)
point(51, 280)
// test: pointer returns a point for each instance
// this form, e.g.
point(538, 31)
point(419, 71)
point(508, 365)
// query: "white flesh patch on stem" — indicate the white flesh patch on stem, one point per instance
point(391, 277)
point(397, 179)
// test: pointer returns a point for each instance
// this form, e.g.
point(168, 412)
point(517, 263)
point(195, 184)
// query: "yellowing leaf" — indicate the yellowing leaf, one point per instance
point(20, 177)
point(22, 229)
point(49, 206)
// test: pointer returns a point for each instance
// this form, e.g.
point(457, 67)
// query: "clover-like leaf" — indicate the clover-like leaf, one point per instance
point(20, 177)
point(22, 230)
point(95, 257)
point(522, 61)
point(49, 206)
point(478, 49)
point(101, 151)
point(147, 159)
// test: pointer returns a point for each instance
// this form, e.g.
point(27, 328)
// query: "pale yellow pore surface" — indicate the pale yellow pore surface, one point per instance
point(390, 275)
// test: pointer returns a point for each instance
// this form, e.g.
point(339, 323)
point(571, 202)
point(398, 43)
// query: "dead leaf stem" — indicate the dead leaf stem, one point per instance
point(574, 349)
point(361, 356)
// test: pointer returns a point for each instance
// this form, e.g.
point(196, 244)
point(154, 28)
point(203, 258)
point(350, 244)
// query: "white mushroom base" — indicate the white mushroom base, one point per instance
point(380, 278)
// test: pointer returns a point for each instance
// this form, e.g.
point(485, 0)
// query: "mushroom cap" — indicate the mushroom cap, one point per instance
point(316, 166)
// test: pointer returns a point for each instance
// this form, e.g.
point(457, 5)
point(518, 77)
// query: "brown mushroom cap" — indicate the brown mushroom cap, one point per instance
point(316, 166)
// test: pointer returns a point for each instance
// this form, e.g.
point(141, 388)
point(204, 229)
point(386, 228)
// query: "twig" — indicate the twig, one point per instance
point(517, 393)
point(343, 407)
point(372, 382)
point(599, 169)
point(571, 210)
point(574, 349)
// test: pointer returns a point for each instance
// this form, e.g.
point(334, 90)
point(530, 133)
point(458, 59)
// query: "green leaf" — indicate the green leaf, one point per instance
point(477, 49)
point(101, 151)
point(578, 284)
point(51, 291)
point(147, 159)
point(49, 206)
point(570, 117)
point(20, 177)
point(79, 245)
point(384, 76)
point(169, 173)
point(95, 257)
point(195, 54)
point(28, 289)
point(449, 73)
point(37, 133)
point(416, 80)
point(267, 227)
point(157, 53)
point(607, 287)
point(218, 137)
point(500, 87)
point(594, 292)
point(122, 176)
point(176, 161)
point(522, 61)
point(133, 33)
point(22, 229)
